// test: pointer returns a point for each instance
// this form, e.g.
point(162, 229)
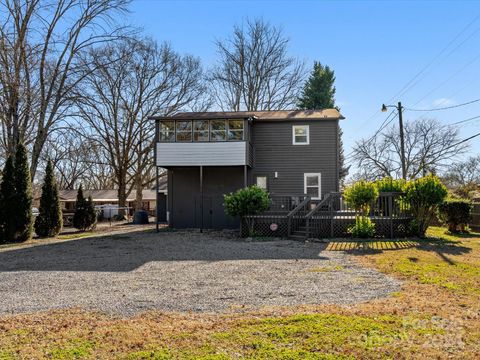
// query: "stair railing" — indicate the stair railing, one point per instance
point(327, 200)
point(295, 216)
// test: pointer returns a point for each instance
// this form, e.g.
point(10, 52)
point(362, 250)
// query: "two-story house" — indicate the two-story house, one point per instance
point(210, 154)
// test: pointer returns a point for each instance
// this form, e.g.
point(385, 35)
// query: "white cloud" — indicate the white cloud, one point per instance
point(443, 102)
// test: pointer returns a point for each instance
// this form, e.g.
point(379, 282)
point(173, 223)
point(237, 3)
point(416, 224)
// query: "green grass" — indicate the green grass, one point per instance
point(434, 315)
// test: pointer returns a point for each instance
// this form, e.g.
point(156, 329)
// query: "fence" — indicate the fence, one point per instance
point(297, 216)
point(475, 223)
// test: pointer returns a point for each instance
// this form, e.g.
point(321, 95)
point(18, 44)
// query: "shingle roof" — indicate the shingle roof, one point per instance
point(280, 115)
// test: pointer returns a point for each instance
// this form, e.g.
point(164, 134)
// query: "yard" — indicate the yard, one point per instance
point(140, 295)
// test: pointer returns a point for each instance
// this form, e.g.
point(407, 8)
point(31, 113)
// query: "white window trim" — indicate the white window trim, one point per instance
point(308, 135)
point(319, 175)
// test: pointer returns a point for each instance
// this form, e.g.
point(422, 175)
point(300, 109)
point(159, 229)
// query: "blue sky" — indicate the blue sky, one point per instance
point(375, 48)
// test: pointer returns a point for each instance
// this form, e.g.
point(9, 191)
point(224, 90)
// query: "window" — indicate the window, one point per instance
point(184, 130)
point(301, 135)
point(235, 130)
point(218, 130)
point(167, 131)
point(200, 130)
point(262, 182)
point(312, 185)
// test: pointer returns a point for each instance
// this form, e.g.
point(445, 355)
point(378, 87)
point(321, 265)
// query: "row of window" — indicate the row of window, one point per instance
point(311, 183)
point(201, 130)
point(217, 130)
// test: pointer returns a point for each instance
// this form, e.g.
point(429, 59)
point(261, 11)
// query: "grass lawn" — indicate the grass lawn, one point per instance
point(436, 315)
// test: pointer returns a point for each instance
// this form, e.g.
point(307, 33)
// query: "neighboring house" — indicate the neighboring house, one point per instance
point(209, 154)
point(68, 198)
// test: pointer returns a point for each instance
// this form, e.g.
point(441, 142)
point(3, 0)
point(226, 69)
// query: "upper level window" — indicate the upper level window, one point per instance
point(218, 130)
point(167, 130)
point(200, 130)
point(312, 185)
point(235, 130)
point(184, 130)
point(300, 135)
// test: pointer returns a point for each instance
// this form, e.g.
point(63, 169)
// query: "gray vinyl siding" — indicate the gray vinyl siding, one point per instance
point(274, 152)
point(201, 153)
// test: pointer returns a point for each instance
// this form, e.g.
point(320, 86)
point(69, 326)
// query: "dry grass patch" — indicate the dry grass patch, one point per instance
point(436, 315)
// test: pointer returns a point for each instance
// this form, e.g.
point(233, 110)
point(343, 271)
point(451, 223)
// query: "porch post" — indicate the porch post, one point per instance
point(157, 209)
point(245, 177)
point(201, 198)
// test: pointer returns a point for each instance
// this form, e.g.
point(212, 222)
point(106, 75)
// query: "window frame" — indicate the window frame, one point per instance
point(266, 181)
point(161, 133)
point(294, 141)
point(319, 186)
point(177, 132)
point(236, 130)
point(200, 131)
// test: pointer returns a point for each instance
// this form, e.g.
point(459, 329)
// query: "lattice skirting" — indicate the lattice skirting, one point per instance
point(271, 225)
point(324, 227)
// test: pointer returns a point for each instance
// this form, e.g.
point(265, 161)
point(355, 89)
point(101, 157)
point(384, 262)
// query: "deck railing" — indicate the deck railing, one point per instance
point(331, 217)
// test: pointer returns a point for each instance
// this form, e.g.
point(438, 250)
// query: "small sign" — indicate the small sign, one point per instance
point(273, 227)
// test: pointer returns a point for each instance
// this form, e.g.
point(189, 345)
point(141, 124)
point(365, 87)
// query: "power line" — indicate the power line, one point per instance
point(446, 107)
point(457, 143)
point(384, 124)
point(466, 120)
point(412, 81)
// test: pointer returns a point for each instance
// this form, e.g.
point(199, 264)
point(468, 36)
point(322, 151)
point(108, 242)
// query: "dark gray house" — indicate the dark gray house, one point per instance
point(210, 154)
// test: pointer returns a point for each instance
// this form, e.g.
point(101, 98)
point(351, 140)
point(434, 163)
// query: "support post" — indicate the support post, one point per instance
point(201, 199)
point(157, 210)
point(245, 176)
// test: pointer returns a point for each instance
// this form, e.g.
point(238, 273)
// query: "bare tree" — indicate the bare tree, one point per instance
point(463, 177)
point(76, 159)
point(41, 43)
point(254, 70)
point(142, 79)
point(429, 147)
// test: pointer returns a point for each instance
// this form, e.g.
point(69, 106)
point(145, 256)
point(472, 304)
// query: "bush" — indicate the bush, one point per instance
point(247, 201)
point(49, 220)
point(360, 195)
point(424, 195)
point(456, 213)
point(363, 228)
point(85, 217)
point(388, 184)
point(22, 210)
point(8, 198)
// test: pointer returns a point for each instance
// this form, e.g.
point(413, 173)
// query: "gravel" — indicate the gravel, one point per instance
point(181, 271)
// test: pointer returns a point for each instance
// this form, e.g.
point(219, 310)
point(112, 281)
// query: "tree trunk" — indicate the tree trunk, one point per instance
point(122, 195)
point(139, 192)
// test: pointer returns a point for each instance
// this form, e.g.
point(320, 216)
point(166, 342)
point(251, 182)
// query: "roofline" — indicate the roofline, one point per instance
point(173, 117)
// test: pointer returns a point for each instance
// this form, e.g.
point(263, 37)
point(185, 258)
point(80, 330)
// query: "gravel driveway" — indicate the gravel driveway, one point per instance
point(181, 271)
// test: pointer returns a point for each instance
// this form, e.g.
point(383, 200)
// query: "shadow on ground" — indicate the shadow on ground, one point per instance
point(441, 247)
point(126, 252)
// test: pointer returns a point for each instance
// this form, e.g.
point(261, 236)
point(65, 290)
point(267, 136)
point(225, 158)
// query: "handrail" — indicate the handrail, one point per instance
point(299, 206)
point(295, 211)
point(326, 199)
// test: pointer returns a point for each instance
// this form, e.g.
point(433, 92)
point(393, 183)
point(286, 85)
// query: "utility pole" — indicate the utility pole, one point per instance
point(402, 141)
point(402, 136)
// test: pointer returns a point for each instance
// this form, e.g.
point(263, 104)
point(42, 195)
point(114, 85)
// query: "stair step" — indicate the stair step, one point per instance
point(297, 237)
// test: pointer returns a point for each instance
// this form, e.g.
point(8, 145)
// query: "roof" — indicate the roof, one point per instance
point(280, 115)
point(111, 194)
point(104, 195)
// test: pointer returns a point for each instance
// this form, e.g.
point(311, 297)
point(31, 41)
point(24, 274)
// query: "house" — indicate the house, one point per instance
point(209, 154)
point(68, 198)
